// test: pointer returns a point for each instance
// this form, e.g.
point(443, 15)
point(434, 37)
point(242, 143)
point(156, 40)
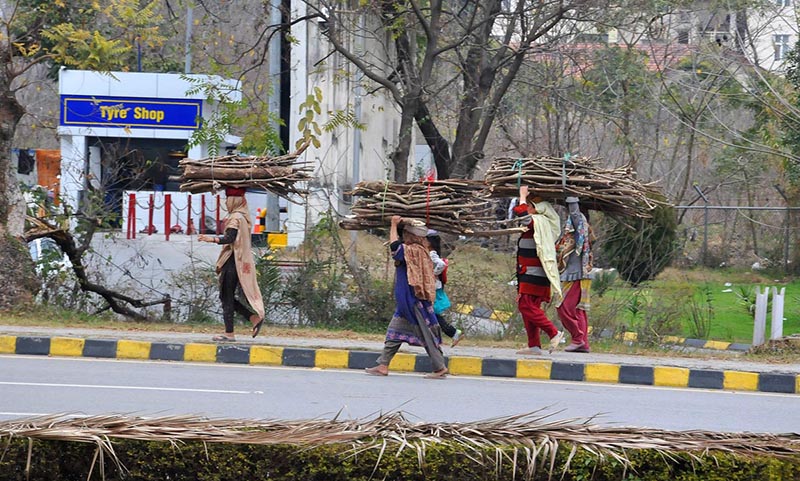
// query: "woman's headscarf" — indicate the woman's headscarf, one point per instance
point(546, 227)
point(418, 263)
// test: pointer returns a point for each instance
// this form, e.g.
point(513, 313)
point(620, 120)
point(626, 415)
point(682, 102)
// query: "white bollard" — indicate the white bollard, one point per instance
point(777, 313)
point(760, 326)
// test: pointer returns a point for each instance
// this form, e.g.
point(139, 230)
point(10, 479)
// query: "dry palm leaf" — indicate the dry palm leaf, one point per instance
point(535, 435)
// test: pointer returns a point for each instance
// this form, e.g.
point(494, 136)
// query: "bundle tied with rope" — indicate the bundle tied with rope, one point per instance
point(451, 206)
point(278, 175)
point(613, 191)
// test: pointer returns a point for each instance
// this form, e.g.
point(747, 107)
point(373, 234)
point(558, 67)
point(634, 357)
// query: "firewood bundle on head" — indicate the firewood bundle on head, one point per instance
point(613, 191)
point(274, 174)
point(449, 206)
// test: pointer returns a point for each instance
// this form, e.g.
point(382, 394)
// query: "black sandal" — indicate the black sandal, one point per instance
point(257, 327)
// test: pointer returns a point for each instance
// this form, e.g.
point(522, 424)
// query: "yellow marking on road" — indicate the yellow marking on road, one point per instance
point(534, 368)
point(670, 376)
point(721, 345)
point(66, 346)
point(601, 372)
point(133, 349)
point(740, 381)
point(270, 355)
point(403, 362)
point(502, 316)
point(464, 309)
point(331, 358)
point(8, 344)
point(468, 366)
point(200, 352)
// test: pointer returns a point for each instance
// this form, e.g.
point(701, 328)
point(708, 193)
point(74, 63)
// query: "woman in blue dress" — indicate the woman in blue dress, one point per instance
point(414, 321)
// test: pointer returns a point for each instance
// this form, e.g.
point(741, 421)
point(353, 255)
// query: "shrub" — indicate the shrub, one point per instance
point(195, 461)
point(643, 248)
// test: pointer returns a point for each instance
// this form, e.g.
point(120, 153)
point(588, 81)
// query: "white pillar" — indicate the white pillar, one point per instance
point(73, 169)
point(760, 326)
point(777, 313)
point(95, 167)
point(296, 213)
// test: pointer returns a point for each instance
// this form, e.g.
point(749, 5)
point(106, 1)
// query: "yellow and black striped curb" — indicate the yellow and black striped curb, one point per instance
point(344, 359)
point(505, 316)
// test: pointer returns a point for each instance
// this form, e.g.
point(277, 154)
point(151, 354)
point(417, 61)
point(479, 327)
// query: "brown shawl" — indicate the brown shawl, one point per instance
point(239, 218)
point(419, 268)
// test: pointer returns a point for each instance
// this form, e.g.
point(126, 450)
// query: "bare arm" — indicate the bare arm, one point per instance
point(393, 235)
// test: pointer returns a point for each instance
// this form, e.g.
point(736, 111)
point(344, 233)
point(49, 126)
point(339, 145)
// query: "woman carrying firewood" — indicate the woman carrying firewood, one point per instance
point(574, 254)
point(236, 267)
point(537, 273)
point(414, 321)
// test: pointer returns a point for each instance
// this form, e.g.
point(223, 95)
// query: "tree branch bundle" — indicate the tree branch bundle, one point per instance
point(274, 174)
point(450, 206)
point(614, 191)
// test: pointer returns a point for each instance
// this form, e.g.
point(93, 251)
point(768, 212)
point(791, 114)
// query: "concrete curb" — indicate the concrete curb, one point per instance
point(505, 316)
point(325, 358)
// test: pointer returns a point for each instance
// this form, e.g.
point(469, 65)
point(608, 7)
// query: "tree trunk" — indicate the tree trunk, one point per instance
point(403, 150)
point(440, 147)
point(17, 275)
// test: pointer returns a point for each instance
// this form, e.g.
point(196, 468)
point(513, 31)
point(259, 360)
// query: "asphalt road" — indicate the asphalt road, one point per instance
point(42, 385)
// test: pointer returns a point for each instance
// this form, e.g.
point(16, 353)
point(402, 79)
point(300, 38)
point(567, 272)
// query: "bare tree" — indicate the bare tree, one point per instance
point(471, 49)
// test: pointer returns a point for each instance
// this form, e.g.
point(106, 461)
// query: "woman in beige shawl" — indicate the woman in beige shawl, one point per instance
point(236, 267)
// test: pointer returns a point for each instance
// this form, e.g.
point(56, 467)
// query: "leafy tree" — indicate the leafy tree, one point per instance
point(80, 34)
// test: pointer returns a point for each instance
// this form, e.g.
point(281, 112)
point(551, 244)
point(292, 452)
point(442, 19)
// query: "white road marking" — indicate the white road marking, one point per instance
point(137, 388)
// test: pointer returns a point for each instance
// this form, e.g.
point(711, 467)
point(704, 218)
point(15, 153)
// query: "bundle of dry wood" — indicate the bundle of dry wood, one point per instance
point(274, 174)
point(614, 191)
point(449, 206)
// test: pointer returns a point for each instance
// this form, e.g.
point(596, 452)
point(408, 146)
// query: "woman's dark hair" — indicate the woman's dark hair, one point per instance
point(436, 243)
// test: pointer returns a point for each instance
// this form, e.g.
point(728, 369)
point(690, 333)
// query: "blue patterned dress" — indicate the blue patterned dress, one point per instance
point(410, 311)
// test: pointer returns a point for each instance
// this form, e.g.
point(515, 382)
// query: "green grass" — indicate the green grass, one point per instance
point(674, 292)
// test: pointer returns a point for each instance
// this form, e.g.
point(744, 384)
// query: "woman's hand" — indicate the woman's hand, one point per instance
point(396, 220)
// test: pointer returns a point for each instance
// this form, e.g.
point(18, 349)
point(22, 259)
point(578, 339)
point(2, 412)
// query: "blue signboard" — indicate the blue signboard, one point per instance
point(99, 111)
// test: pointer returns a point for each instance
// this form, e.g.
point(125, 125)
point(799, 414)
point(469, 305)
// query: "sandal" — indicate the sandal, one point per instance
point(257, 327)
point(441, 374)
point(223, 338)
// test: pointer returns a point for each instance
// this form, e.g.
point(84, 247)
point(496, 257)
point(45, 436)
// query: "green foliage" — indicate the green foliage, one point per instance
point(701, 313)
point(653, 316)
point(308, 125)
point(641, 250)
point(342, 119)
point(330, 293)
point(603, 281)
point(214, 129)
point(84, 34)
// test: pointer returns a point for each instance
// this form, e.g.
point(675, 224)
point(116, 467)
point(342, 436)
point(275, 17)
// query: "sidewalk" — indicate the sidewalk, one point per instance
point(720, 370)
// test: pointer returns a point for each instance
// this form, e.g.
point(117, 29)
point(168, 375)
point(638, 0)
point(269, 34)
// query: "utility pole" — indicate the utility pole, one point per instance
point(187, 67)
point(275, 18)
point(705, 222)
point(357, 91)
point(785, 230)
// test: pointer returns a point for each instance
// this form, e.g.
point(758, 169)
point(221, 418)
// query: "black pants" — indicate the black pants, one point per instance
point(228, 285)
point(447, 328)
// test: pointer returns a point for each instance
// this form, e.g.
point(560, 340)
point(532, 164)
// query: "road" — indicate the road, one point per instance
point(41, 385)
